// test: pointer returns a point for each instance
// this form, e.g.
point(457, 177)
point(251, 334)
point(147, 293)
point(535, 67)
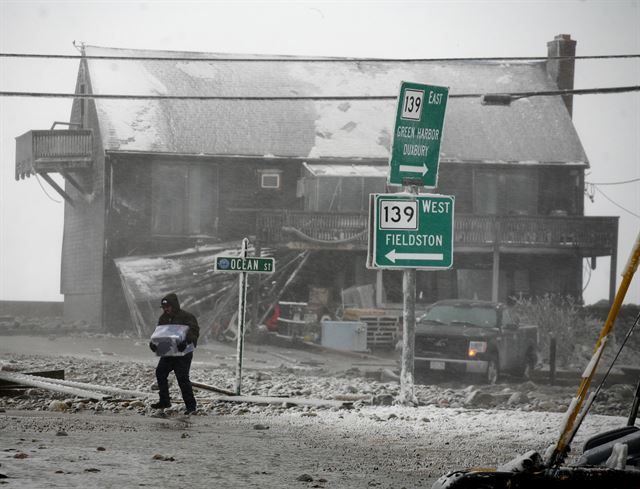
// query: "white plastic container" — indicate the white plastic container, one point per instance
point(167, 337)
point(344, 335)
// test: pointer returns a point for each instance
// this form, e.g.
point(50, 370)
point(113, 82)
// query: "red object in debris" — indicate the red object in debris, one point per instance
point(272, 322)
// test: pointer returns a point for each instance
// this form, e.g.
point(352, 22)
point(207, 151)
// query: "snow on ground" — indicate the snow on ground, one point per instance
point(52, 440)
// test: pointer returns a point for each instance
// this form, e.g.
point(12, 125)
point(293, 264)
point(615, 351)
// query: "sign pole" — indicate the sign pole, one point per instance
point(409, 230)
point(407, 395)
point(242, 264)
point(242, 306)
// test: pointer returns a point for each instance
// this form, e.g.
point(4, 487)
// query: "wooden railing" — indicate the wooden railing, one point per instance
point(315, 228)
point(591, 236)
point(46, 150)
point(584, 232)
point(62, 143)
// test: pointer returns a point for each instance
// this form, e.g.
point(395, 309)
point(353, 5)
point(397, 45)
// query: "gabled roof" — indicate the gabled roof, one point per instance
point(533, 130)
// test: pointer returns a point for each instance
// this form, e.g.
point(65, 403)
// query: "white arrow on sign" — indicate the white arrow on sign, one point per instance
point(414, 169)
point(393, 256)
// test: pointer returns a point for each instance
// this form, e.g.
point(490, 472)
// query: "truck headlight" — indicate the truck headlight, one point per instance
point(476, 347)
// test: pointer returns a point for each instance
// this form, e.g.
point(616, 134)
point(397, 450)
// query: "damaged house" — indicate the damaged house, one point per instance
point(286, 150)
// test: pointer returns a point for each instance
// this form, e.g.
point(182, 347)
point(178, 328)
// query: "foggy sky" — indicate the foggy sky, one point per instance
point(608, 125)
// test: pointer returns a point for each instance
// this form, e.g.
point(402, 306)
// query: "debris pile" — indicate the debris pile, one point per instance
point(309, 382)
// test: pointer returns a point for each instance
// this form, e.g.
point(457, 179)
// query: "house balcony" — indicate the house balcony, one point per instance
point(66, 152)
point(312, 230)
point(53, 151)
point(585, 235)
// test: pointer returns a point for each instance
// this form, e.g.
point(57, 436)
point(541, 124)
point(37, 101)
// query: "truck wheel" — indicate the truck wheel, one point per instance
point(493, 371)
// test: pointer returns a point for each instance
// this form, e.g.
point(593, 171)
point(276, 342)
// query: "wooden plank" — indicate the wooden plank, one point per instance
point(101, 388)
point(49, 374)
point(212, 388)
point(133, 308)
point(287, 400)
point(100, 391)
point(42, 384)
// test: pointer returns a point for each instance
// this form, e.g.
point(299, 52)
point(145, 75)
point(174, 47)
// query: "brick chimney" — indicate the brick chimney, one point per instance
point(561, 71)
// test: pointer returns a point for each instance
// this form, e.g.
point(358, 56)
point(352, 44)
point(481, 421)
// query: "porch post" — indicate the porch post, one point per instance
point(496, 274)
point(612, 272)
point(496, 261)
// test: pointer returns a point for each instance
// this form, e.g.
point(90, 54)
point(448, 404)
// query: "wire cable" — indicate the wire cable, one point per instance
point(615, 203)
point(295, 59)
point(615, 183)
point(514, 95)
point(45, 191)
point(586, 267)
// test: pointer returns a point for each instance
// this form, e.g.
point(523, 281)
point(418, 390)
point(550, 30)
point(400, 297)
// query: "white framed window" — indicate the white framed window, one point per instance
point(270, 180)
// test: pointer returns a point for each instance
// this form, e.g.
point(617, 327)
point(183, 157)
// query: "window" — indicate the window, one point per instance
point(184, 199)
point(505, 192)
point(270, 180)
point(459, 313)
point(341, 194)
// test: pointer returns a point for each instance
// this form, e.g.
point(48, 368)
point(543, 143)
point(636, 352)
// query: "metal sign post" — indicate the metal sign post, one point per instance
point(243, 265)
point(407, 372)
point(242, 306)
point(409, 231)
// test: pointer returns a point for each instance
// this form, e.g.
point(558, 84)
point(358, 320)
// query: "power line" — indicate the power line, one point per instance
point(513, 96)
point(615, 183)
point(294, 59)
point(44, 190)
point(615, 203)
point(588, 269)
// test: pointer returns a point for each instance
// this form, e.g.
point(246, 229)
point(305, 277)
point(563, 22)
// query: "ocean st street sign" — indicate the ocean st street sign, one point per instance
point(410, 231)
point(248, 264)
point(415, 152)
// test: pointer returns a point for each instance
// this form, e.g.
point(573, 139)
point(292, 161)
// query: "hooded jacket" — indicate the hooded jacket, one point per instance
point(180, 316)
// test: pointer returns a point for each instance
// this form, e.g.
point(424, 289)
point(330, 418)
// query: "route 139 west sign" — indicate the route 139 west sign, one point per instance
point(410, 231)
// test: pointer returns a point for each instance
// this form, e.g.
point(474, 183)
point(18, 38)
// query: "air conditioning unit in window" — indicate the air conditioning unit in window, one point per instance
point(270, 179)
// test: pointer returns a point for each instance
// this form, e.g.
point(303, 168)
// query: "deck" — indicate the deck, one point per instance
point(587, 235)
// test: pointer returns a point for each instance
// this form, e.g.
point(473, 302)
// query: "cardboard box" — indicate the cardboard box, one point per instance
point(167, 337)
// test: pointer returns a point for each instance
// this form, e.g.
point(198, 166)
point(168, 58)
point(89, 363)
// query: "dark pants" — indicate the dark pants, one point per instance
point(181, 366)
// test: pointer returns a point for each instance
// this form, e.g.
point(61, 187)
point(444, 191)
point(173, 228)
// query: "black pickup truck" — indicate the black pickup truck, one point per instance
point(473, 337)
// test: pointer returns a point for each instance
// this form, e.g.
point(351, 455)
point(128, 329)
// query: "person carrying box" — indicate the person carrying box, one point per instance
point(176, 361)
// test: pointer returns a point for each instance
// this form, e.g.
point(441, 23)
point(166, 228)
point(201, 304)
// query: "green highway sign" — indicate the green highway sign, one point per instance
point(410, 231)
point(417, 134)
point(249, 264)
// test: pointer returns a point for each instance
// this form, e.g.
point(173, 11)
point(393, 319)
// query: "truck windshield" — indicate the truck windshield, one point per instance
point(472, 315)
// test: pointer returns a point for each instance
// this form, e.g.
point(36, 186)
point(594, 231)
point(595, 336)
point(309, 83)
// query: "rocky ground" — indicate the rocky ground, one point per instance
point(376, 443)
point(281, 375)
